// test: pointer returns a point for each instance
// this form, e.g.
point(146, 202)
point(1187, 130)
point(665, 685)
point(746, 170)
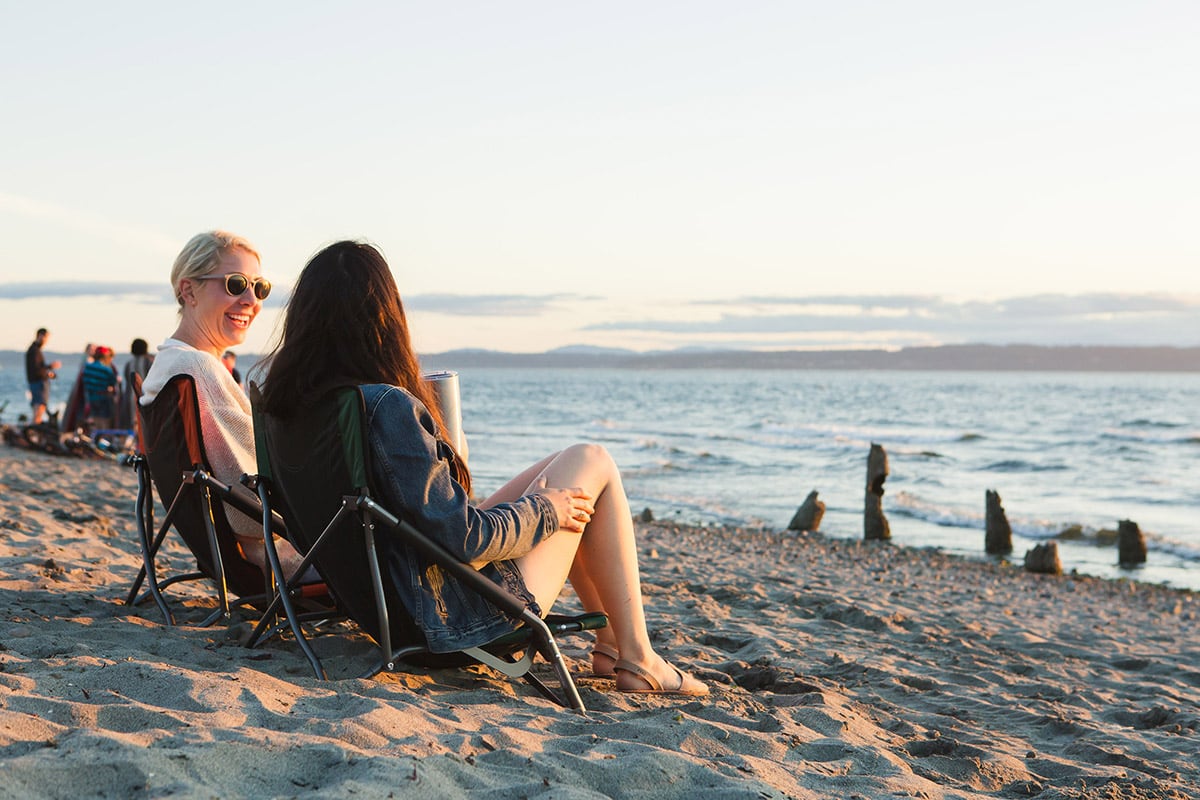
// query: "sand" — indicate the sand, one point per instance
point(840, 669)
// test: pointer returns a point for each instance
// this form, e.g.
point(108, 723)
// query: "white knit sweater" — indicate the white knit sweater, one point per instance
point(225, 422)
point(228, 433)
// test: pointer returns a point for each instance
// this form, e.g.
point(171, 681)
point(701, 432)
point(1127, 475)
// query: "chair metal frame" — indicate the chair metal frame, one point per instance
point(199, 480)
point(213, 496)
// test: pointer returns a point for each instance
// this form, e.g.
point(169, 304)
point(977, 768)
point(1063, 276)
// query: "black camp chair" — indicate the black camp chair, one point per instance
point(170, 458)
point(314, 471)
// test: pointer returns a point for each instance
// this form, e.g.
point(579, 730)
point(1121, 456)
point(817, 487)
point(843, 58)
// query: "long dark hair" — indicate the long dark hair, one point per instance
point(345, 325)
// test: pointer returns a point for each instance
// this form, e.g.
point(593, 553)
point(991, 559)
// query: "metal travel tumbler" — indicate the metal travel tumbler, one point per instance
point(445, 388)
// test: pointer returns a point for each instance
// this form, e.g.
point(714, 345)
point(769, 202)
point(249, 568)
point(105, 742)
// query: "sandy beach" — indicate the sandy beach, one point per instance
point(840, 669)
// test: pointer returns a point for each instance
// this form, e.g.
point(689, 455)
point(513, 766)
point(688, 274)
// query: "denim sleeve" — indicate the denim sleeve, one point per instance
point(412, 474)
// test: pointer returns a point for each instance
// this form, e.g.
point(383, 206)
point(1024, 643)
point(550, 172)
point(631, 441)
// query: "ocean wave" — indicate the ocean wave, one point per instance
point(1150, 423)
point(1173, 547)
point(1020, 465)
point(1150, 436)
point(690, 509)
point(682, 454)
point(910, 505)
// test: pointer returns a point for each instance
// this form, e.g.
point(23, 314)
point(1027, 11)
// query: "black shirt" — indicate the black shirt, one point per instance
point(35, 364)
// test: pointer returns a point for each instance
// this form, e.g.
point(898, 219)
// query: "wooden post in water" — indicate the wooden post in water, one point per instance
point(1131, 544)
point(997, 539)
point(875, 524)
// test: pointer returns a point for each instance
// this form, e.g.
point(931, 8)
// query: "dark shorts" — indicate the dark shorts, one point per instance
point(39, 393)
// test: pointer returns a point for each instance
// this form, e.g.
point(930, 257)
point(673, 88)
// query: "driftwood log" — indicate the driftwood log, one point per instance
point(1131, 544)
point(997, 539)
point(808, 515)
point(875, 524)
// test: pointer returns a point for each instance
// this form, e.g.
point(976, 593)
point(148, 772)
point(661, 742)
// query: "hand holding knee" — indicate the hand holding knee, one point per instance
point(574, 506)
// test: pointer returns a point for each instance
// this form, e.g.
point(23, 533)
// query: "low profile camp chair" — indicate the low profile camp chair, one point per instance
point(171, 459)
point(314, 470)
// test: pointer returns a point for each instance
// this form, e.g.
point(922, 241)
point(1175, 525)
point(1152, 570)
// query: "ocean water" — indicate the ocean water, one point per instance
point(745, 447)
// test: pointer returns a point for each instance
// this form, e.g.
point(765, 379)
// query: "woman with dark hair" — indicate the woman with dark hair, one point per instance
point(566, 515)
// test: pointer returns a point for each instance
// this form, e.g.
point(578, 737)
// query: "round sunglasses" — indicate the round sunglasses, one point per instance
point(236, 283)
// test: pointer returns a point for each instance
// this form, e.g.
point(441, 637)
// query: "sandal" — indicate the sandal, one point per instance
point(609, 652)
point(688, 685)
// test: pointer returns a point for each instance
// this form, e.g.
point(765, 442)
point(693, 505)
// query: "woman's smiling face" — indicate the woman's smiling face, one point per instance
point(216, 320)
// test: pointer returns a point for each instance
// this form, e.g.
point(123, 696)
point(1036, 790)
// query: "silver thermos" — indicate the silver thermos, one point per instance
point(445, 388)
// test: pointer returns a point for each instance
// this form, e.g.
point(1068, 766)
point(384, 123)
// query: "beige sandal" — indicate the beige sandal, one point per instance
point(688, 685)
point(608, 651)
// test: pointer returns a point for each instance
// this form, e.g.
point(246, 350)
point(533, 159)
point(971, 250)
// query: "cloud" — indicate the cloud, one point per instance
point(487, 305)
point(157, 293)
point(481, 305)
point(859, 301)
point(44, 290)
point(1134, 319)
point(827, 321)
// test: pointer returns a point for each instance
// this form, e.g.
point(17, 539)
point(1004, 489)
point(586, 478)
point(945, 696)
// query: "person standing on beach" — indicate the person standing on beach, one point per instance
point(77, 411)
point(218, 283)
point(565, 516)
point(39, 374)
point(100, 386)
point(134, 372)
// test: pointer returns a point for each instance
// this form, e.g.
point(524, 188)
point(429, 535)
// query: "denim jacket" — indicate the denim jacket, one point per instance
point(410, 469)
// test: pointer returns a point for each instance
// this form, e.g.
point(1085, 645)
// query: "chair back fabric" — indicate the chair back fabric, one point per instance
point(312, 461)
point(169, 437)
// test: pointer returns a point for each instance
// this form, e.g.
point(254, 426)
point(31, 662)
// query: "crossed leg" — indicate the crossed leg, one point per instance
point(601, 562)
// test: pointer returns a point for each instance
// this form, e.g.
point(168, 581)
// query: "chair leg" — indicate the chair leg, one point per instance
point(282, 591)
point(218, 564)
point(542, 640)
point(139, 513)
point(548, 647)
point(145, 518)
point(381, 610)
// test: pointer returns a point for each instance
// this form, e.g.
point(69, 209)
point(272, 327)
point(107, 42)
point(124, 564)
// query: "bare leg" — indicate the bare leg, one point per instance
point(518, 486)
point(581, 581)
point(602, 561)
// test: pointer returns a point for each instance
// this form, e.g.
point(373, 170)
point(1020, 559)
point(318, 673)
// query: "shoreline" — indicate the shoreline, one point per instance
point(838, 667)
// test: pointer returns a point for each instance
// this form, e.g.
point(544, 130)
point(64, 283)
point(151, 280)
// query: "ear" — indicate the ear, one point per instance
point(187, 291)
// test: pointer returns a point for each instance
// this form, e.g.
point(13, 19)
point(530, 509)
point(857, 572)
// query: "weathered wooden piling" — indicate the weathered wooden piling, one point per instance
point(1131, 544)
point(875, 524)
point(997, 539)
point(1044, 558)
point(808, 515)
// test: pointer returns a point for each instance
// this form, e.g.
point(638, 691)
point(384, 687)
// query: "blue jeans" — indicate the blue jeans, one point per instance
point(39, 393)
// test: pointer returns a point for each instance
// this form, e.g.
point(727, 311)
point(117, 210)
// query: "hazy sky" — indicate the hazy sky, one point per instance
point(646, 175)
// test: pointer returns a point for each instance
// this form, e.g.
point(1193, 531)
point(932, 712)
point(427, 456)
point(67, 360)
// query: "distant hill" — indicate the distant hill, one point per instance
point(978, 357)
point(948, 357)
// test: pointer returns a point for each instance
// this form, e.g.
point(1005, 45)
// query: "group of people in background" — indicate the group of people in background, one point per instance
point(102, 397)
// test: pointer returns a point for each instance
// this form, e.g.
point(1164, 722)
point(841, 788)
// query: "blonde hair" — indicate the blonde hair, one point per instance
point(202, 255)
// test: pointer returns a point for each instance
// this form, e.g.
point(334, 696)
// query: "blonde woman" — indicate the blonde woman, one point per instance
point(219, 286)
